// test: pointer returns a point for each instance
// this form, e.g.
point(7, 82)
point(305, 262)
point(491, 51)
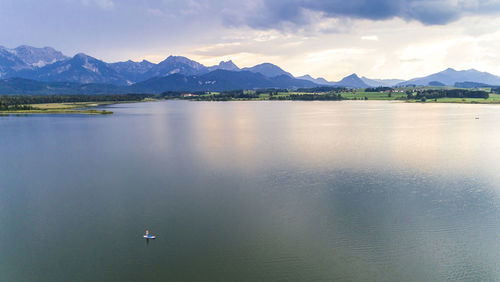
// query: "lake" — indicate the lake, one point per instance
point(252, 191)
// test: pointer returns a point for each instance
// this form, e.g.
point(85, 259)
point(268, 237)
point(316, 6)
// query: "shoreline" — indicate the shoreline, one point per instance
point(34, 112)
point(469, 102)
point(81, 108)
point(85, 108)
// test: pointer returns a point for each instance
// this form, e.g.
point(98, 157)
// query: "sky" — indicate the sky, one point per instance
point(324, 38)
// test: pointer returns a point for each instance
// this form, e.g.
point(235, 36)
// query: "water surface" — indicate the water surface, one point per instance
point(252, 191)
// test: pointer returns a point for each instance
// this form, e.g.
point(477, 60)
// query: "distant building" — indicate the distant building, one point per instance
point(189, 95)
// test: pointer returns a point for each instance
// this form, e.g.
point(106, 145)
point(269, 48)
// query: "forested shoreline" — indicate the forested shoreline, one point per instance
point(26, 102)
point(23, 102)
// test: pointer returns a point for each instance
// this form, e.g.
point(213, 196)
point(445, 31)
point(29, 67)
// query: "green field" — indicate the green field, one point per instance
point(62, 108)
point(399, 94)
point(69, 106)
point(360, 95)
point(56, 111)
point(493, 99)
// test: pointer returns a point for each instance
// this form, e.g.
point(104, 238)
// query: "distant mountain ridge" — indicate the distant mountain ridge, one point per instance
point(49, 65)
point(381, 82)
point(268, 70)
point(38, 57)
point(176, 64)
point(470, 84)
point(80, 69)
point(26, 58)
point(229, 65)
point(318, 80)
point(35, 57)
point(350, 81)
point(450, 77)
point(133, 71)
point(218, 80)
point(22, 86)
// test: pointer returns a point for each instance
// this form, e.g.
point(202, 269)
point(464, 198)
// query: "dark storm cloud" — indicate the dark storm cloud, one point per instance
point(279, 13)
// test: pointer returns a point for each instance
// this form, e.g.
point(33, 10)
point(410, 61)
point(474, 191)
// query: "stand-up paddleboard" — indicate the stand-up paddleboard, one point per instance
point(147, 236)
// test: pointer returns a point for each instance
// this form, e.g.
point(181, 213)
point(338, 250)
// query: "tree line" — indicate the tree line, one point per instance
point(310, 97)
point(447, 93)
point(322, 89)
point(378, 89)
point(22, 102)
point(225, 96)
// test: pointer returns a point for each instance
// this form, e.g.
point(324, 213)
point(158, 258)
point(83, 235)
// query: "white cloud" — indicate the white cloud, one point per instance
point(370, 37)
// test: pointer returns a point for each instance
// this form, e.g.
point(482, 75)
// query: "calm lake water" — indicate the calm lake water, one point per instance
point(252, 191)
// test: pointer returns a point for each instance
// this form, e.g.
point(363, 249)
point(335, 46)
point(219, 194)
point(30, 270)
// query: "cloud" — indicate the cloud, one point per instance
point(283, 14)
point(103, 4)
point(322, 38)
point(370, 37)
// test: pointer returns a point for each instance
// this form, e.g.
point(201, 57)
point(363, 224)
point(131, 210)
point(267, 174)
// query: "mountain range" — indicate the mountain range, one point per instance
point(49, 72)
point(354, 81)
point(450, 77)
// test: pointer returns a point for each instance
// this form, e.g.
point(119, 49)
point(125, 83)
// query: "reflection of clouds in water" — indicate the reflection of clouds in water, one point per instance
point(227, 131)
point(360, 134)
point(437, 137)
point(354, 135)
point(160, 125)
point(210, 121)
